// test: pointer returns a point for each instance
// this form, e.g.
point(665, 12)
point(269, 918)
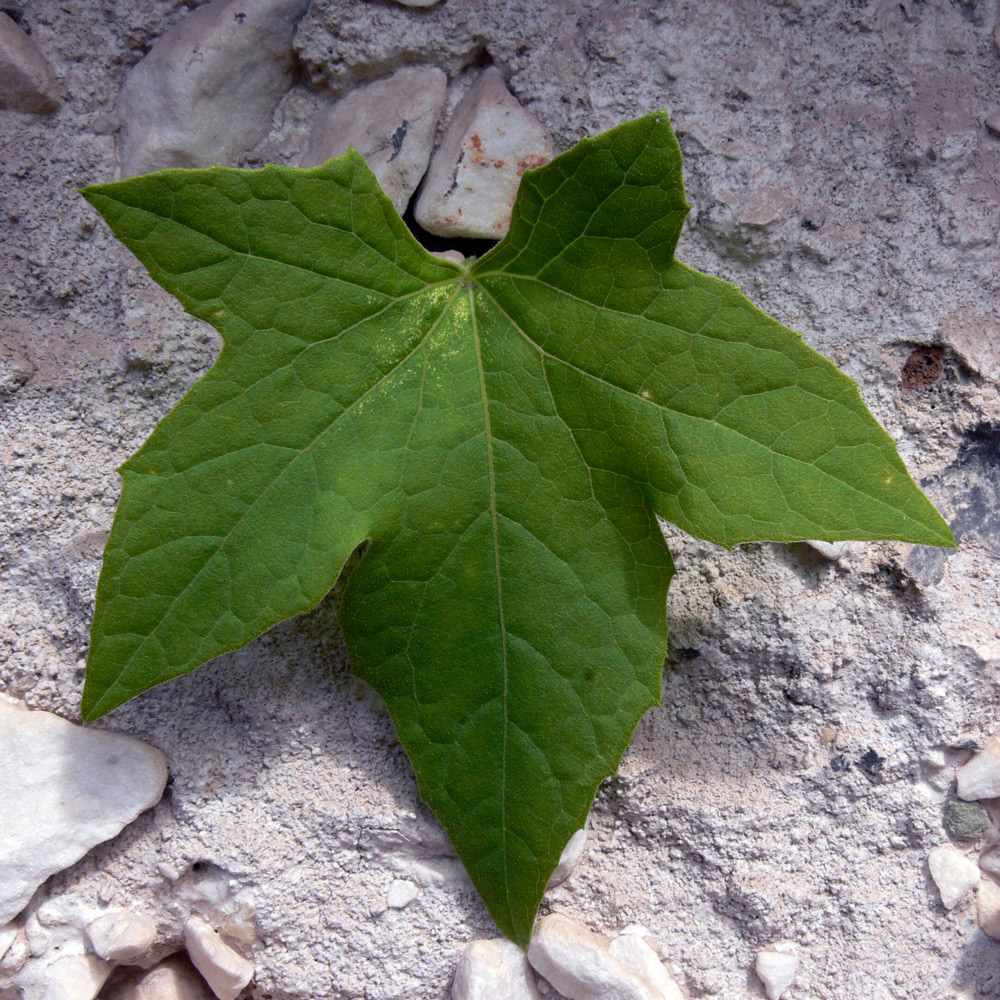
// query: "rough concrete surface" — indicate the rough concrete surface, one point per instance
point(794, 780)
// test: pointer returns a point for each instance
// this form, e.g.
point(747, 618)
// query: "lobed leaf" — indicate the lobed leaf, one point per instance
point(502, 434)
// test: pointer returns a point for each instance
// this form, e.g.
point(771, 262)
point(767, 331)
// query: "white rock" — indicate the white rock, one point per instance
point(776, 966)
point(7, 934)
point(633, 952)
point(207, 89)
point(988, 907)
point(401, 893)
point(474, 175)
point(27, 82)
point(493, 970)
point(980, 777)
point(455, 256)
point(390, 122)
point(829, 550)
point(579, 963)
point(954, 874)
point(989, 861)
point(173, 979)
point(225, 970)
point(122, 935)
point(73, 977)
point(64, 789)
point(571, 855)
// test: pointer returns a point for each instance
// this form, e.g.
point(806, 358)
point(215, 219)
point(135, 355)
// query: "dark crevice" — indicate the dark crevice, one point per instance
point(467, 247)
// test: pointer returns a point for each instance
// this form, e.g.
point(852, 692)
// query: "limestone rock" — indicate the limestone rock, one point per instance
point(776, 966)
point(989, 862)
point(391, 123)
point(988, 907)
point(72, 977)
point(571, 856)
point(954, 874)
point(475, 173)
point(64, 789)
point(175, 978)
point(829, 550)
point(493, 970)
point(7, 934)
point(637, 956)
point(225, 970)
point(121, 936)
point(27, 82)
point(980, 777)
point(207, 89)
point(401, 893)
point(579, 963)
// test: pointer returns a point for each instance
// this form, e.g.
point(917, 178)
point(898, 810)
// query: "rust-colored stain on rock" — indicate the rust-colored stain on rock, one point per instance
point(923, 367)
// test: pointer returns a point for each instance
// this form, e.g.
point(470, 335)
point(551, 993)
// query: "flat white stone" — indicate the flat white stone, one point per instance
point(122, 935)
point(27, 82)
point(207, 89)
point(72, 977)
point(633, 952)
point(571, 856)
point(225, 970)
point(390, 122)
point(579, 963)
point(401, 893)
point(493, 970)
point(979, 778)
point(829, 550)
point(475, 173)
point(988, 907)
point(64, 789)
point(173, 979)
point(954, 874)
point(776, 966)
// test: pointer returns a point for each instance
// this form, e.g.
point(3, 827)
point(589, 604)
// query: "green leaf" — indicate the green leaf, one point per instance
point(502, 434)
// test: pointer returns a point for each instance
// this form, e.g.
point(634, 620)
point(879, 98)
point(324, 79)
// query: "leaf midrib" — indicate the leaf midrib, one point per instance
point(488, 431)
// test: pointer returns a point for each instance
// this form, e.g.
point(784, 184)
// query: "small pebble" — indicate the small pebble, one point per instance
point(473, 178)
point(571, 855)
point(776, 966)
point(965, 820)
point(980, 777)
point(493, 970)
point(27, 82)
point(225, 970)
point(7, 934)
point(64, 789)
point(207, 89)
point(633, 952)
point(401, 893)
point(175, 978)
point(75, 977)
point(954, 874)
point(989, 861)
point(988, 907)
point(829, 550)
point(121, 936)
point(390, 122)
point(993, 123)
point(579, 963)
